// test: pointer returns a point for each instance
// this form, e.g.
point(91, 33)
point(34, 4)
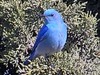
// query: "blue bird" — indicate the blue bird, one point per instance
point(51, 37)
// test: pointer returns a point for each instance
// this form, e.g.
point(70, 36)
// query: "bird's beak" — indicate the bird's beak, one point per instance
point(41, 15)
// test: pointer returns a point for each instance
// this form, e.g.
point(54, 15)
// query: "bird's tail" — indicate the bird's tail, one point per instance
point(32, 57)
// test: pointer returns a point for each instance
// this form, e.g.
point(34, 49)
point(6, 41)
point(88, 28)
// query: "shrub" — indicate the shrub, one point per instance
point(19, 25)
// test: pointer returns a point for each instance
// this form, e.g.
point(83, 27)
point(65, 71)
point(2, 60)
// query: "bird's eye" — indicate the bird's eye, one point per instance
point(52, 14)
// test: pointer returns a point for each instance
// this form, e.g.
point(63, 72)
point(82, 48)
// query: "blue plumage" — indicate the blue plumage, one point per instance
point(51, 37)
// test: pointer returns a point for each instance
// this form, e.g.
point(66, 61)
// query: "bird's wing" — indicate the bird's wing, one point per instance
point(41, 36)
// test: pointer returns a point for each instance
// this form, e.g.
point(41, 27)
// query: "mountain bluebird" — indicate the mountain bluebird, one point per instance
point(51, 37)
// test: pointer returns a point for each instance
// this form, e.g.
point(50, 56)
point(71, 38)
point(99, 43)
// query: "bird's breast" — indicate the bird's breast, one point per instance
point(56, 39)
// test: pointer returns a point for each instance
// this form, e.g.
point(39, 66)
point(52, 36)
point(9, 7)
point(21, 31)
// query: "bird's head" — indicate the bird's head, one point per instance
point(51, 15)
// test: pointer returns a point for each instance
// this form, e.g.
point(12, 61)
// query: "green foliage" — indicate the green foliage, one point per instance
point(19, 23)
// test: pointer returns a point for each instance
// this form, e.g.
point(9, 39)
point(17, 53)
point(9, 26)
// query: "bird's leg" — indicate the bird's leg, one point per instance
point(47, 60)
